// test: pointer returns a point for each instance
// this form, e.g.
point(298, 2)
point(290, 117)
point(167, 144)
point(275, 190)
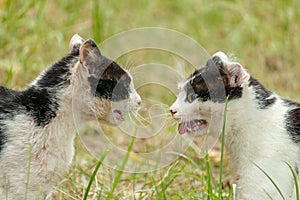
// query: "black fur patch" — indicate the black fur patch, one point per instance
point(7, 110)
point(3, 137)
point(292, 120)
point(112, 83)
point(57, 76)
point(262, 95)
point(40, 104)
point(212, 83)
point(39, 101)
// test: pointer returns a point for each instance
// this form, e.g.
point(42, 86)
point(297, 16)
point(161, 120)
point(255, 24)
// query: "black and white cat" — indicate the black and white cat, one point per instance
point(82, 86)
point(262, 130)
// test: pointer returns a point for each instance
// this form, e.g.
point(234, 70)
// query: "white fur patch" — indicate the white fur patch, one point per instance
point(52, 153)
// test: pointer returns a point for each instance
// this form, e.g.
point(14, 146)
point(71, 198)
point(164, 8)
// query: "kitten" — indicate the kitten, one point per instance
point(262, 129)
point(82, 86)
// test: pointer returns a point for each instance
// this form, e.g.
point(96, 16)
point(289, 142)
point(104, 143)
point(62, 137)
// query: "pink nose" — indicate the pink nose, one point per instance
point(173, 112)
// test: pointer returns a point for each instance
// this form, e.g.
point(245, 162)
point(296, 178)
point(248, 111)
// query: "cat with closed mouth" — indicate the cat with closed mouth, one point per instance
point(262, 130)
point(37, 124)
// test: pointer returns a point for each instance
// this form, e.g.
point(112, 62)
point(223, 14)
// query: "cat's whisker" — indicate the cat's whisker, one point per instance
point(130, 63)
point(136, 74)
point(140, 117)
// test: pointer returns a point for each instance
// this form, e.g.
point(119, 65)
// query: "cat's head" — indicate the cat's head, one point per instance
point(110, 93)
point(200, 102)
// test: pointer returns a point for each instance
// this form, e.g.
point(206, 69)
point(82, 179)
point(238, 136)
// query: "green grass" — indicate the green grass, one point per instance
point(120, 171)
point(222, 148)
point(271, 180)
point(265, 38)
point(295, 180)
point(94, 175)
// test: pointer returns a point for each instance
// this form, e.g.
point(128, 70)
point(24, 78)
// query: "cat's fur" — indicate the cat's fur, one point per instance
point(38, 124)
point(262, 130)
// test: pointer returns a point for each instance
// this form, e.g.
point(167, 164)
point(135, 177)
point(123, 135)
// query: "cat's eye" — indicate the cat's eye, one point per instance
point(191, 97)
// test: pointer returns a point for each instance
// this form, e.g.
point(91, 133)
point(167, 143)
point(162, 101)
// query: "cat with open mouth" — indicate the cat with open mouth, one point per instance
point(262, 130)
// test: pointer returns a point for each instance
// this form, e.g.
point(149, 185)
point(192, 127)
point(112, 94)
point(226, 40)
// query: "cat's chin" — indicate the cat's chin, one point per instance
point(197, 127)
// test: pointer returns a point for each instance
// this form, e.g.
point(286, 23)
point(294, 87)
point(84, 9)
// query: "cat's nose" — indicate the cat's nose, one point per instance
point(138, 99)
point(172, 112)
point(139, 102)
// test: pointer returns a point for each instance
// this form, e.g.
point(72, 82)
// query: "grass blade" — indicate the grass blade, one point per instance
point(186, 157)
point(166, 185)
point(163, 191)
point(295, 180)
point(94, 174)
point(98, 21)
point(222, 149)
point(40, 10)
point(273, 182)
point(155, 186)
point(28, 171)
point(120, 172)
point(9, 77)
point(234, 191)
point(208, 177)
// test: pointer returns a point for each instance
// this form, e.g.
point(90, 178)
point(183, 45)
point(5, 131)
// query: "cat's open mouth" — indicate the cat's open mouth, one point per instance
point(118, 116)
point(191, 126)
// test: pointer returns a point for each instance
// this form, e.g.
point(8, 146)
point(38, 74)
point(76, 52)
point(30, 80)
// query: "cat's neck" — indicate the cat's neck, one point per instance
point(49, 100)
point(48, 94)
point(73, 108)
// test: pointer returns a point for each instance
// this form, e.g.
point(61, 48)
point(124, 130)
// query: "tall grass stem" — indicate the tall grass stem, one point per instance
point(94, 174)
point(120, 171)
point(222, 148)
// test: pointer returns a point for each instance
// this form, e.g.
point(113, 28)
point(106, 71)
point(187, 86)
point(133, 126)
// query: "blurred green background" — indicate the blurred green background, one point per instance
point(263, 35)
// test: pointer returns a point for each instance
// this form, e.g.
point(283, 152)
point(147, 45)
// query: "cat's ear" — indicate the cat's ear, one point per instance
point(90, 56)
point(237, 74)
point(218, 60)
point(75, 42)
